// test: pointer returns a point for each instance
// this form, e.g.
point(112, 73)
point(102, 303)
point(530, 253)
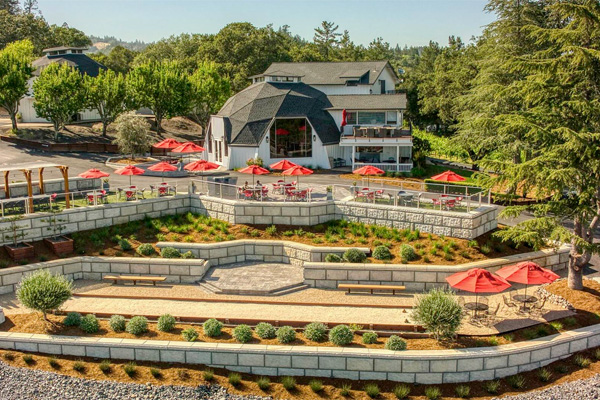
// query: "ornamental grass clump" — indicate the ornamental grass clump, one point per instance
point(341, 335)
point(212, 327)
point(354, 256)
point(166, 323)
point(117, 323)
point(189, 334)
point(264, 330)
point(263, 383)
point(316, 385)
point(137, 325)
point(439, 313)
point(242, 333)
point(44, 292)
point(333, 258)
point(286, 334)
point(433, 393)
point(89, 324)
point(372, 390)
point(234, 379)
point(315, 331)
point(401, 392)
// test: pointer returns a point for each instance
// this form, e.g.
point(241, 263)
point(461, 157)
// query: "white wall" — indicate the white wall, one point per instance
point(343, 89)
point(390, 81)
point(29, 115)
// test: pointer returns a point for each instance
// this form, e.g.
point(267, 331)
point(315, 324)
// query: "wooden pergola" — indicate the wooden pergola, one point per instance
point(28, 170)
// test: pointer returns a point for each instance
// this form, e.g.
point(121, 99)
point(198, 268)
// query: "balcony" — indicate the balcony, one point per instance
point(373, 135)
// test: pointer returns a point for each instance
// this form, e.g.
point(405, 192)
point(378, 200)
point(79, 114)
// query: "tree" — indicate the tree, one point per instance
point(209, 92)
point(11, 6)
point(66, 36)
point(162, 87)
point(15, 71)
point(132, 134)
point(378, 50)
point(30, 6)
point(58, 94)
point(120, 59)
point(560, 97)
point(327, 38)
point(348, 51)
point(44, 292)
point(106, 93)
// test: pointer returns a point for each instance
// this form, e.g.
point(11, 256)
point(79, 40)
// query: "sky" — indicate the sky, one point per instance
point(403, 22)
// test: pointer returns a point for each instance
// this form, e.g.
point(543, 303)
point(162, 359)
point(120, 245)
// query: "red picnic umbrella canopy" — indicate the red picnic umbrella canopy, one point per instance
point(93, 174)
point(528, 273)
point(130, 170)
point(254, 170)
point(368, 170)
point(281, 132)
point(297, 170)
point(188, 147)
point(201, 165)
point(448, 176)
point(167, 144)
point(282, 165)
point(162, 166)
point(477, 280)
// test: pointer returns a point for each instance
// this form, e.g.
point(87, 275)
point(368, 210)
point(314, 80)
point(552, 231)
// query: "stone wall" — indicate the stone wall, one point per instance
point(412, 366)
point(86, 218)
point(76, 184)
point(276, 251)
point(95, 268)
point(419, 277)
point(464, 225)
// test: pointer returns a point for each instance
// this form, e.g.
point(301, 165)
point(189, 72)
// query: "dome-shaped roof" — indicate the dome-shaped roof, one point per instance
point(247, 114)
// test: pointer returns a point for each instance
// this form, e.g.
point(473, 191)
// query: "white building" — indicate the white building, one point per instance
point(72, 56)
point(319, 114)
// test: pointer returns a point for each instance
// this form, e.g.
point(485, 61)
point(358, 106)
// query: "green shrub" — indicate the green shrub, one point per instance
point(53, 362)
point(208, 375)
point(117, 323)
point(234, 379)
point(105, 366)
point(125, 245)
point(212, 327)
point(597, 354)
point(130, 369)
point(354, 256)
point(395, 343)
point(288, 233)
point(189, 334)
point(271, 230)
point(242, 333)
point(263, 383)
point(28, 358)
point(382, 253)
point(333, 258)
point(264, 330)
point(372, 390)
point(44, 292)
point(170, 252)
point(582, 361)
point(72, 319)
point(462, 391)
point(491, 386)
point(79, 366)
point(146, 249)
point(433, 393)
point(544, 374)
point(556, 325)
point(9, 356)
point(166, 323)
point(407, 253)
point(439, 312)
point(516, 381)
point(341, 335)
point(288, 383)
point(316, 385)
point(89, 324)
point(401, 391)
point(315, 331)
point(286, 334)
point(188, 255)
point(369, 338)
point(137, 325)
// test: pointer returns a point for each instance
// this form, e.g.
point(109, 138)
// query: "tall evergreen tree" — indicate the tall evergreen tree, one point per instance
point(327, 39)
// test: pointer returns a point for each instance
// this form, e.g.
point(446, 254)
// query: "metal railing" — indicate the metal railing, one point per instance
point(391, 166)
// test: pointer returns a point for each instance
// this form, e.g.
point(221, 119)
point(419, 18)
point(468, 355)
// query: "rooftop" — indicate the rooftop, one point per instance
point(367, 102)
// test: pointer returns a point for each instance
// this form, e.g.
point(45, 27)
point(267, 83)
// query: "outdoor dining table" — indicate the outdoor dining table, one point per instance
point(526, 300)
point(476, 307)
point(95, 198)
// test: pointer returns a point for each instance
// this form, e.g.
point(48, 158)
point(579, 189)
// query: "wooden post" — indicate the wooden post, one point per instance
point(41, 180)
point(65, 173)
point(6, 187)
point(27, 173)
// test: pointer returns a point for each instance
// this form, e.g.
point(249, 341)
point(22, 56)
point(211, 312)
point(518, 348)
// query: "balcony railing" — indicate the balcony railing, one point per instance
point(378, 133)
point(389, 166)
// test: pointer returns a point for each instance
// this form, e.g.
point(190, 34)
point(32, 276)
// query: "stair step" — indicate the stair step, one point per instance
point(209, 287)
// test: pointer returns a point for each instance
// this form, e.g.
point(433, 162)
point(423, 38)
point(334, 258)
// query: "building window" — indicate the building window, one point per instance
point(371, 117)
point(290, 138)
point(351, 118)
point(392, 118)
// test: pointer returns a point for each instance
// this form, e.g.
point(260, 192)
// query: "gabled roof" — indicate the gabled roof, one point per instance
point(367, 101)
point(82, 62)
point(330, 73)
point(60, 48)
point(247, 114)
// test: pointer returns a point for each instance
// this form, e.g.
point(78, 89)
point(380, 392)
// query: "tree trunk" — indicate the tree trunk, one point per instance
point(575, 277)
point(13, 120)
point(104, 128)
point(159, 124)
point(56, 131)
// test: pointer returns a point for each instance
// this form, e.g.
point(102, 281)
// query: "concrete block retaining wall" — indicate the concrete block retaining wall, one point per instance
point(412, 366)
point(86, 218)
point(276, 251)
point(76, 184)
point(95, 268)
point(419, 277)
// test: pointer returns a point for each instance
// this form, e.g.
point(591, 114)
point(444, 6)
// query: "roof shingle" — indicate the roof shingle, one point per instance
point(328, 73)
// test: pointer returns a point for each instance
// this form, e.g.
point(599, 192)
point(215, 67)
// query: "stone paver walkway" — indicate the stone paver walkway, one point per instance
point(257, 278)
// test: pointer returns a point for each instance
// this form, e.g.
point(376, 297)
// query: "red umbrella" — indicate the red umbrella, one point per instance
point(282, 165)
point(281, 132)
point(201, 165)
point(344, 117)
point(254, 170)
point(449, 176)
point(167, 144)
point(528, 273)
point(368, 170)
point(297, 170)
point(93, 174)
point(162, 166)
point(130, 170)
point(477, 280)
point(188, 147)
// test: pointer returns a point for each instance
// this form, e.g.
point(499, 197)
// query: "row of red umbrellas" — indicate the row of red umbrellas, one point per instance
point(177, 147)
point(288, 168)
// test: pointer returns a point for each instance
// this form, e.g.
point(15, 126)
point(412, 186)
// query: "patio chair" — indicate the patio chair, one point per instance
point(450, 204)
point(538, 308)
point(437, 202)
point(130, 195)
point(162, 191)
point(240, 192)
point(491, 315)
point(265, 191)
point(248, 194)
point(508, 302)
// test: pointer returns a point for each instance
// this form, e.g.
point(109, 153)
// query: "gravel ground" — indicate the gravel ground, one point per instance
point(588, 389)
point(20, 383)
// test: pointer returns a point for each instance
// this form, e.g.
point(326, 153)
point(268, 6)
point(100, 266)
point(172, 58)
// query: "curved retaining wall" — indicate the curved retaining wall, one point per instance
point(413, 366)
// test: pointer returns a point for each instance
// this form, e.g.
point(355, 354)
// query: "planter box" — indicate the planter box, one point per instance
point(22, 251)
point(61, 245)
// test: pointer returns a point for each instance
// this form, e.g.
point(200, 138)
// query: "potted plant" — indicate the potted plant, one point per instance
point(59, 244)
point(17, 250)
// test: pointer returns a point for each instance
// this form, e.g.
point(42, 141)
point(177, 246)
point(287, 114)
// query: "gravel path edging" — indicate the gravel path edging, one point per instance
point(584, 389)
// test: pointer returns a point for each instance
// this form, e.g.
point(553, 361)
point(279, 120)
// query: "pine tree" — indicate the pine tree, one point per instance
point(327, 38)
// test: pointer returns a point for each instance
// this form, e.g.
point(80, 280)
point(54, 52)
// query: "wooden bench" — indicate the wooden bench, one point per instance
point(135, 279)
point(371, 288)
